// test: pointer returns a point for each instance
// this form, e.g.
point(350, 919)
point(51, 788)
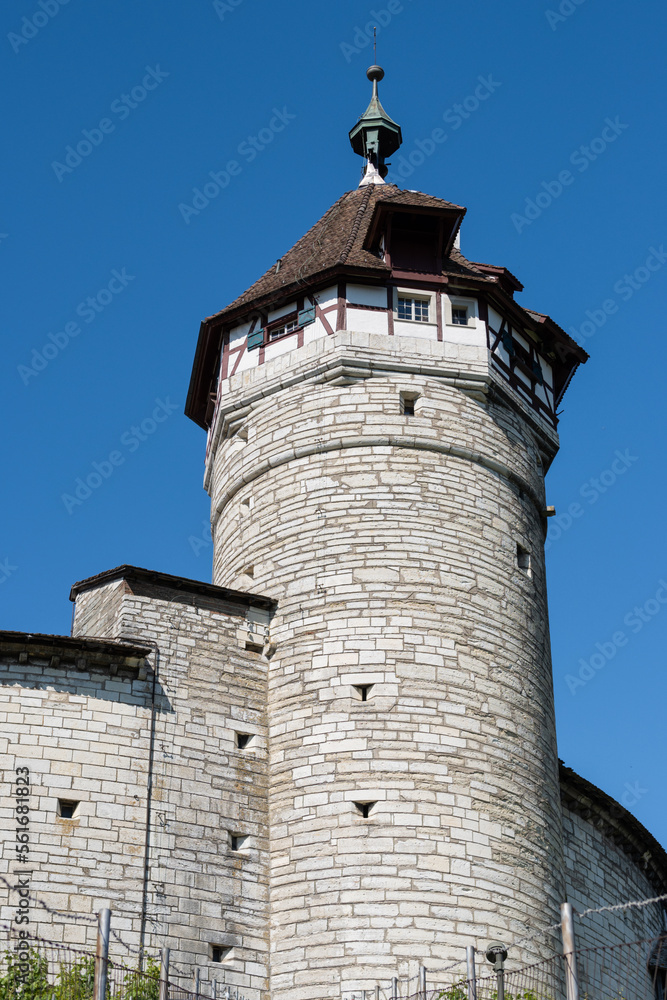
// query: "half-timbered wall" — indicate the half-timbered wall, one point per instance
point(515, 355)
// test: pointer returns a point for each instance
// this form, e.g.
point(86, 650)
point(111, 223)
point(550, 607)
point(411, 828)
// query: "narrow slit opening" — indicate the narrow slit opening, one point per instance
point(365, 808)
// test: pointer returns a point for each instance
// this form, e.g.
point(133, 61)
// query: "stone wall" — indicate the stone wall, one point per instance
point(397, 548)
point(599, 873)
point(87, 737)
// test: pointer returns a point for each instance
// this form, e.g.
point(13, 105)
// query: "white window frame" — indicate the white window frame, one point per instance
point(416, 293)
point(281, 331)
point(458, 302)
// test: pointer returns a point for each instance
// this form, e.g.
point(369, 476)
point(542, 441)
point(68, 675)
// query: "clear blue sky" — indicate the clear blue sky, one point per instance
point(201, 79)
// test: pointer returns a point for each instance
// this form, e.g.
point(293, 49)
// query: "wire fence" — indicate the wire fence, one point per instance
point(543, 980)
point(34, 968)
point(635, 970)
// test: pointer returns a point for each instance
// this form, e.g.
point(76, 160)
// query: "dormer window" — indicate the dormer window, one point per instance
point(415, 309)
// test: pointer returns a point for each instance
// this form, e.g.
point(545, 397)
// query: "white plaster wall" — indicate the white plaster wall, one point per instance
point(367, 321)
point(367, 295)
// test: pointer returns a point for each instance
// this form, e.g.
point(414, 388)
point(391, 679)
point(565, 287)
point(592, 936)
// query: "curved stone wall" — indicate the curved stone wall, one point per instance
point(390, 542)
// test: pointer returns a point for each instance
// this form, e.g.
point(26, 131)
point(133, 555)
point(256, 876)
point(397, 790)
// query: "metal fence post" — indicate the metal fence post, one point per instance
point(422, 981)
point(470, 972)
point(394, 988)
point(569, 951)
point(164, 974)
point(102, 954)
point(377, 991)
point(195, 982)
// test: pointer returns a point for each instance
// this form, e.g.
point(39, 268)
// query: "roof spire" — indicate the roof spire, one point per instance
point(376, 135)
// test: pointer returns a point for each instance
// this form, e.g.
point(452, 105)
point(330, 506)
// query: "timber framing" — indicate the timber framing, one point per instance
point(353, 243)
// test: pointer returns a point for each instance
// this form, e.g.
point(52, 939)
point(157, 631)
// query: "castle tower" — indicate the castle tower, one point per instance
point(337, 762)
point(381, 413)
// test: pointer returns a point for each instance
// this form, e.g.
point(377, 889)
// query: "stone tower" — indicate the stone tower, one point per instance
point(381, 413)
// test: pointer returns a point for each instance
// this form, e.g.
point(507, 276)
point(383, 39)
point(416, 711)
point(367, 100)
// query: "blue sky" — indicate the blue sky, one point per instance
point(112, 277)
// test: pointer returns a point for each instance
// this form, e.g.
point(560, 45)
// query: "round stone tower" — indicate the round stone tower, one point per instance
point(381, 414)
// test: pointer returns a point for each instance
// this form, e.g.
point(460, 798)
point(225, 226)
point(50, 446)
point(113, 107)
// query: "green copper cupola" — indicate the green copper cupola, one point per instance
point(375, 136)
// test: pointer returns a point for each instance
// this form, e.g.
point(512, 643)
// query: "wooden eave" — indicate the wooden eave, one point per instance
point(207, 360)
point(507, 281)
point(137, 574)
point(74, 652)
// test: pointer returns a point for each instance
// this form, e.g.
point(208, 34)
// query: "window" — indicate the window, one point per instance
point(413, 309)
point(408, 400)
point(254, 647)
point(237, 841)
point(459, 316)
point(287, 327)
point(523, 558)
point(221, 954)
point(243, 740)
point(67, 808)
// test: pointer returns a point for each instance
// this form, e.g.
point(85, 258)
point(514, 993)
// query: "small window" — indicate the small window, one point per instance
point(67, 808)
point(254, 647)
point(279, 331)
point(238, 841)
point(244, 740)
point(408, 400)
point(523, 558)
point(413, 309)
point(362, 692)
point(459, 316)
point(364, 808)
point(221, 954)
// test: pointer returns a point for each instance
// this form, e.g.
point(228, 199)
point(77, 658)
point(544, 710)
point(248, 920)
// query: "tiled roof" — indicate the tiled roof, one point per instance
point(337, 239)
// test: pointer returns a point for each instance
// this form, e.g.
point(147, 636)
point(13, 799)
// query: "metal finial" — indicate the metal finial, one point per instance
point(375, 136)
point(375, 73)
point(375, 45)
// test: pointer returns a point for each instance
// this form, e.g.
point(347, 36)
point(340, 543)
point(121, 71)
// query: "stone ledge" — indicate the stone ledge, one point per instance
point(81, 653)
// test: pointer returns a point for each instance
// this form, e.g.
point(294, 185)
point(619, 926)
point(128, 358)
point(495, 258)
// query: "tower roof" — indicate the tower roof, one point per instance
point(342, 238)
point(346, 243)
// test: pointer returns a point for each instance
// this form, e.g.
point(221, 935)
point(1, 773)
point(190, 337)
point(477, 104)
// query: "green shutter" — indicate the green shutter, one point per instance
point(255, 339)
point(307, 316)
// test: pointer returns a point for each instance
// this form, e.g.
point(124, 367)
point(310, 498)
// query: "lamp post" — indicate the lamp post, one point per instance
point(496, 953)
